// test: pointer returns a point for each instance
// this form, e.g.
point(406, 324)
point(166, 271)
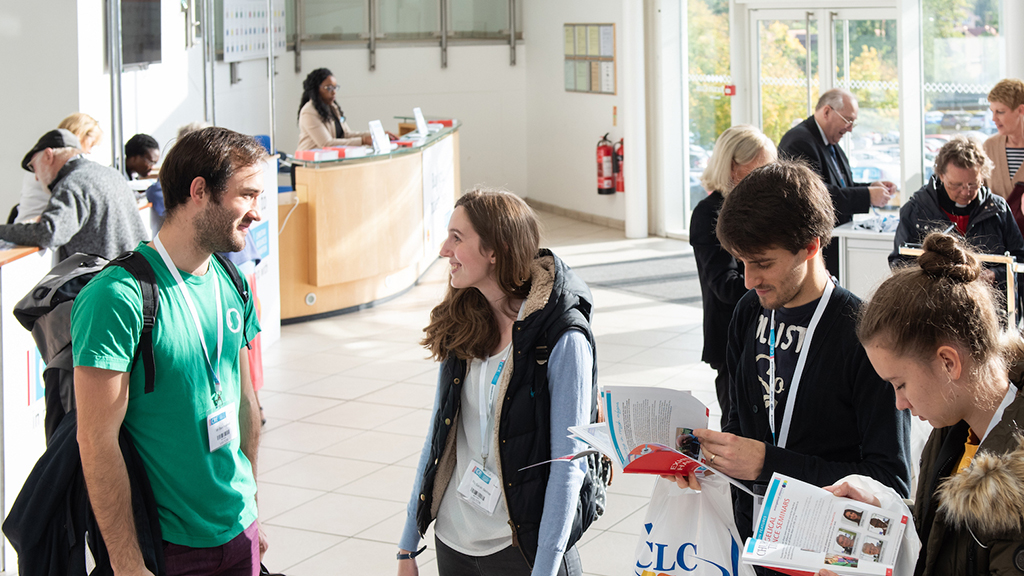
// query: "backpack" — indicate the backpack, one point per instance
point(46, 312)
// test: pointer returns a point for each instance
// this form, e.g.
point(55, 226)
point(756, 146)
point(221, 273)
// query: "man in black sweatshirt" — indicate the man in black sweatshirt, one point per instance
point(805, 400)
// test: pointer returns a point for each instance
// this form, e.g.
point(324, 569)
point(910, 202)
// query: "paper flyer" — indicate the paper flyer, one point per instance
point(803, 528)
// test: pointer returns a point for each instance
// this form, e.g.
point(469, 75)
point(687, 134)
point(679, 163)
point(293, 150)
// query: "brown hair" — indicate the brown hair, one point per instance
point(780, 205)
point(1008, 91)
point(940, 300)
point(213, 154)
point(463, 325)
point(963, 152)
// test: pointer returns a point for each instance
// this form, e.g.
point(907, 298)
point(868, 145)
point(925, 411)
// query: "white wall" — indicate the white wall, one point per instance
point(521, 129)
point(479, 88)
point(40, 81)
point(564, 127)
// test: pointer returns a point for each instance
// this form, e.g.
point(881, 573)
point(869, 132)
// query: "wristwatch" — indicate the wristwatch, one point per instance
point(411, 555)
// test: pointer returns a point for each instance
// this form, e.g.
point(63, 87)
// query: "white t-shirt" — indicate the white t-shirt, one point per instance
point(34, 199)
point(460, 525)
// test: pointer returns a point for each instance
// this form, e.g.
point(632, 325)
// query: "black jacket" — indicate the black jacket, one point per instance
point(525, 410)
point(804, 141)
point(721, 278)
point(991, 228)
point(845, 420)
point(51, 523)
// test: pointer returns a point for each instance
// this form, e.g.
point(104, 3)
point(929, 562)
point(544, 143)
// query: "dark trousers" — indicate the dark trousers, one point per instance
point(507, 562)
point(722, 390)
point(239, 557)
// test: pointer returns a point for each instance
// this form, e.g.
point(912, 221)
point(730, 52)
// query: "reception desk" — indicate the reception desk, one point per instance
point(361, 230)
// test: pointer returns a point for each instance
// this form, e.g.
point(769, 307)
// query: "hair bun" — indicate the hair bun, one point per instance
point(947, 257)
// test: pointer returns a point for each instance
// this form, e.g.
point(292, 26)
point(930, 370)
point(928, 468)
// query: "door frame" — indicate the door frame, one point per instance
point(907, 13)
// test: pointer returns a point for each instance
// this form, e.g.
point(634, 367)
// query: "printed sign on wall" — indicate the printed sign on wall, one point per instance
point(590, 58)
point(245, 30)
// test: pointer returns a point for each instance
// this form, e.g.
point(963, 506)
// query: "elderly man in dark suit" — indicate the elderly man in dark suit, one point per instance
point(815, 141)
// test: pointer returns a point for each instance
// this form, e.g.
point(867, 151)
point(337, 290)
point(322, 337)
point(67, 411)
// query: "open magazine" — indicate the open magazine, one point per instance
point(648, 431)
point(803, 528)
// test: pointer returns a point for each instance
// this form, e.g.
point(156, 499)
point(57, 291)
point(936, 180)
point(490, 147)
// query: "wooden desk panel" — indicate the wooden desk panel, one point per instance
point(364, 220)
point(356, 235)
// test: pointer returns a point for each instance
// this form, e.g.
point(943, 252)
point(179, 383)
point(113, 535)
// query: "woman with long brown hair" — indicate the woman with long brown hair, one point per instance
point(517, 368)
point(932, 331)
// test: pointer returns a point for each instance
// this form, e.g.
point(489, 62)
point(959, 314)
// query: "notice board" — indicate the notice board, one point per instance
point(590, 58)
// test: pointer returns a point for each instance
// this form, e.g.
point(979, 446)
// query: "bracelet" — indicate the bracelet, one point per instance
point(411, 555)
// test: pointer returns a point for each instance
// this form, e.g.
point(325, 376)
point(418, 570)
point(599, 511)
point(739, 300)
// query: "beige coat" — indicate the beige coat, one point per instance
point(1000, 181)
point(315, 133)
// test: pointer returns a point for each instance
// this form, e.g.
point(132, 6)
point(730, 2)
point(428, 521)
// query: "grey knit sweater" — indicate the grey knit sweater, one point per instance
point(91, 210)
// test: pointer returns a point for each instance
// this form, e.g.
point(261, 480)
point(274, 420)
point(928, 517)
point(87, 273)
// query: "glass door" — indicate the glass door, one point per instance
point(865, 56)
point(801, 53)
point(787, 57)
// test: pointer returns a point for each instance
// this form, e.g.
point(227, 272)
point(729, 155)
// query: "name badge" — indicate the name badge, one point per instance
point(222, 426)
point(480, 488)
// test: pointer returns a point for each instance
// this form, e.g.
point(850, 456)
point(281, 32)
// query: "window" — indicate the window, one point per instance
point(963, 59)
point(710, 110)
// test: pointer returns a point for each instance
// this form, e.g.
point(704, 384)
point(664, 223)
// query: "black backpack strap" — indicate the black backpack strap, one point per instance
point(137, 265)
point(243, 292)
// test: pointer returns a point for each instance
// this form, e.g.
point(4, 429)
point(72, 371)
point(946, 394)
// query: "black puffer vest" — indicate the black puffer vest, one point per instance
point(524, 435)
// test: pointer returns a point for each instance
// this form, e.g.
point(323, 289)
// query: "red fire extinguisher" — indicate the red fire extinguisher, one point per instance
point(605, 175)
point(620, 182)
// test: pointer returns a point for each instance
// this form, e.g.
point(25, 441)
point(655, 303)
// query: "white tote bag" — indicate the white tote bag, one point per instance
point(690, 533)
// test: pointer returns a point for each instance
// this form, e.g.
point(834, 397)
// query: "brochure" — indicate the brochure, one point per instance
point(803, 528)
point(649, 431)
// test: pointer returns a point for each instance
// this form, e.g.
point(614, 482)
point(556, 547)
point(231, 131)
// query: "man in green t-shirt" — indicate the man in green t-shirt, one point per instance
point(198, 430)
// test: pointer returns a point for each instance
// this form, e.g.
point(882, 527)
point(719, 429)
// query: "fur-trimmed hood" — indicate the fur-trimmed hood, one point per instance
point(542, 280)
point(988, 497)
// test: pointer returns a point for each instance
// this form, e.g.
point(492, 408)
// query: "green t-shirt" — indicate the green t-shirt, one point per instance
point(205, 499)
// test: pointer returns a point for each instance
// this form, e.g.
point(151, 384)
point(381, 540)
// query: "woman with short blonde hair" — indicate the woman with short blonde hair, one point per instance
point(738, 151)
point(85, 128)
point(1006, 148)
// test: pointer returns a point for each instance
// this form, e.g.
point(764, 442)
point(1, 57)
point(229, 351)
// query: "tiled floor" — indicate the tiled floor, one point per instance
point(348, 401)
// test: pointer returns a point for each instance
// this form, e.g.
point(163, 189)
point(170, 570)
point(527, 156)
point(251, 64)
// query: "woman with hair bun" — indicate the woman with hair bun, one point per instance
point(956, 199)
point(932, 331)
point(517, 368)
point(321, 121)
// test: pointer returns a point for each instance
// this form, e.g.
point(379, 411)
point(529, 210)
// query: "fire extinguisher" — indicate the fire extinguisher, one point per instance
point(620, 182)
point(605, 175)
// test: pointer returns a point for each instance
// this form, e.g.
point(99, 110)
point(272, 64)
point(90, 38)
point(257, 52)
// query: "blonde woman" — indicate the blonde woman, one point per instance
point(1006, 148)
point(738, 151)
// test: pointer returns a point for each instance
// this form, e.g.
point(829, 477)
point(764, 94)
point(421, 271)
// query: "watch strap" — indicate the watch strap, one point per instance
point(411, 555)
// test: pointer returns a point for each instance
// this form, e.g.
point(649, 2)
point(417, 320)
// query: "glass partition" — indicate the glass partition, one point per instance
point(335, 19)
point(409, 19)
point(482, 19)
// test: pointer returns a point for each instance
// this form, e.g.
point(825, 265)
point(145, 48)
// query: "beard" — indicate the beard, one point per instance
point(217, 230)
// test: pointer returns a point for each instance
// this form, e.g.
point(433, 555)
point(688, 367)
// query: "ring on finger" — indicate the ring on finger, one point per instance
point(711, 460)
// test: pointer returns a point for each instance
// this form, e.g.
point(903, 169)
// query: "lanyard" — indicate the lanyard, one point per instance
point(487, 398)
point(1011, 393)
point(794, 386)
point(180, 285)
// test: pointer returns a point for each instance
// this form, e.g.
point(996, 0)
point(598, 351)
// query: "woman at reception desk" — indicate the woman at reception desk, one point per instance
point(321, 121)
point(358, 230)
